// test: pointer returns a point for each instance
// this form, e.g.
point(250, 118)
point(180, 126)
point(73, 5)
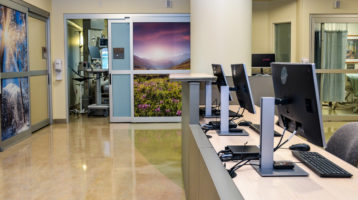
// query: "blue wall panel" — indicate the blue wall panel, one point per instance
point(121, 95)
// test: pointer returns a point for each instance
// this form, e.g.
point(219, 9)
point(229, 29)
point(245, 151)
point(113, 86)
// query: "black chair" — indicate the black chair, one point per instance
point(344, 143)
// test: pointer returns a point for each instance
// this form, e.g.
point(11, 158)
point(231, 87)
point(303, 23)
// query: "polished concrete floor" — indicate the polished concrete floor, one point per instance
point(92, 159)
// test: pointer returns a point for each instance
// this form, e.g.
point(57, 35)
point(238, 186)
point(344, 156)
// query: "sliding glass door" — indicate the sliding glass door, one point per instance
point(38, 65)
point(143, 51)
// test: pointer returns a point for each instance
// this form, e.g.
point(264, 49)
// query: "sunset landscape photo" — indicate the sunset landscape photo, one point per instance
point(161, 45)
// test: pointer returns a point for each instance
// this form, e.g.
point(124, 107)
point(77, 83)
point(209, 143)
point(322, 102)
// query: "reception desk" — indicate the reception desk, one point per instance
point(205, 176)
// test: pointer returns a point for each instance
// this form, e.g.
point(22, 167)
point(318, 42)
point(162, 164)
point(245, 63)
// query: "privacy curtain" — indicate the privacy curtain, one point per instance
point(334, 48)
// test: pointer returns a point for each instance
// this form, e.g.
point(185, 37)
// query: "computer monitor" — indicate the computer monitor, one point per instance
point(103, 43)
point(296, 86)
point(104, 58)
point(242, 87)
point(262, 60)
point(94, 52)
point(220, 77)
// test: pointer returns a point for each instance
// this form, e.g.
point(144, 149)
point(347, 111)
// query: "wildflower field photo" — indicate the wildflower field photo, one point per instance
point(156, 96)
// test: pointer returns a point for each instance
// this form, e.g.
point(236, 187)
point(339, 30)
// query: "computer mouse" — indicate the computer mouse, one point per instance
point(300, 147)
point(244, 123)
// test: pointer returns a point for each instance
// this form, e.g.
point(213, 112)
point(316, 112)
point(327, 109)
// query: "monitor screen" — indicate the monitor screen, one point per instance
point(262, 60)
point(104, 58)
point(242, 87)
point(296, 86)
point(94, 52)
point(103, 42)
point(220, 77)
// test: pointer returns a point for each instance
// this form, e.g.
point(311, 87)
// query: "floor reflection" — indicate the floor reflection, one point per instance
point(92, 159)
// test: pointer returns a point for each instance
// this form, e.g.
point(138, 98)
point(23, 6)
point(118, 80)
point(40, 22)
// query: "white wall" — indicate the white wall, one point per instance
point(220, 34)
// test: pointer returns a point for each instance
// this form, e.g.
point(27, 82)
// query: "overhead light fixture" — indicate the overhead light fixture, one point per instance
point(336, 4)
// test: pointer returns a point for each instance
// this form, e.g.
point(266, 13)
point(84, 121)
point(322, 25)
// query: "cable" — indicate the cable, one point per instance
point(238, 116)
point(283, 133)
point(237, 165)
point(294, 133)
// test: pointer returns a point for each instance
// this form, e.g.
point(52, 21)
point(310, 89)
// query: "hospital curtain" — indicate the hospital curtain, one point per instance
point(333, 57)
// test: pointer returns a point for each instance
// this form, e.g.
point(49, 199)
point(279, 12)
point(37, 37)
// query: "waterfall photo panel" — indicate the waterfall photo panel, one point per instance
point(13, 40)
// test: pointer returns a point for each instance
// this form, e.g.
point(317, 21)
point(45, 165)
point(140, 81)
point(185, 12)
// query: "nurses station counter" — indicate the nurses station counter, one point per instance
point(206, 177)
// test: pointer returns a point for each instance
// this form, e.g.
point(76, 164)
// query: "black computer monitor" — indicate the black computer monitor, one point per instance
point(220, 77)
point(242, 87)
point(262, 60)
point(94, 52)
point(103, 43)
point(296, 86)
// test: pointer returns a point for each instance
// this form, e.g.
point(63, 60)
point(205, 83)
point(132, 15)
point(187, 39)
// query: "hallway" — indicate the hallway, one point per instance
point(92, 159)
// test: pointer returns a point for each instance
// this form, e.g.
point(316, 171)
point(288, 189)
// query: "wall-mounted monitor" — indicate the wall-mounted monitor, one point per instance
point(262, 60)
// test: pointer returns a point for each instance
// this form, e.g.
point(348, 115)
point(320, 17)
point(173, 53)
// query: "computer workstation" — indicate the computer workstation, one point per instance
point(299, 112)
point(218, 72)
point(243, 93)
point(199, 151)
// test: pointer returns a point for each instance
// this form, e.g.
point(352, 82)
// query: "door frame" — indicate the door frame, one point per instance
point(38, 13)
point(48, 72)
point(131, 18)
point(331, 18)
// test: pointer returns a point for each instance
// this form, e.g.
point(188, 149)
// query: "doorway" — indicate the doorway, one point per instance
point(87, 67)
point(283, 42)
point(334, 45)
point(141, 51)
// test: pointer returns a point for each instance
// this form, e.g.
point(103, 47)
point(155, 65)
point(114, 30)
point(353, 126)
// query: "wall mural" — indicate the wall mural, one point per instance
point(15, 104)
point(13, 58)
point(155, 96)
point(161, 45)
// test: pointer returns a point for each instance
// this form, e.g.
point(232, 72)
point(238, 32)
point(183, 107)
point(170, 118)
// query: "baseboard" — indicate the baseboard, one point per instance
point(59, 121)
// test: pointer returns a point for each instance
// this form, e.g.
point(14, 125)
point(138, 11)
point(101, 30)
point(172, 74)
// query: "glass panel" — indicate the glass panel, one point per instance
point(120, 35)
point(348, 105)
point(37, 44)
point(14, 107)
point(121, 94)
point(39, 99)
point(317, 45)
point(283, 42)
point(161, 46)
point(13, 40)
point(155, 95)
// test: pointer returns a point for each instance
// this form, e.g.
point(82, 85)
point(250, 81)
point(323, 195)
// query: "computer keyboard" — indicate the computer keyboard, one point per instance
point(321, 165)
point(257, 129)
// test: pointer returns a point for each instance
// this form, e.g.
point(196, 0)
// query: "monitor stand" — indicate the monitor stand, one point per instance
point(224, 116)
point(265, 165)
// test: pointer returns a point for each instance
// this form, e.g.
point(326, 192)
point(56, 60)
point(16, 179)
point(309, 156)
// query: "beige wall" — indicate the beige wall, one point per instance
point(307, 7)
point(260, 27)
point(265, 15)
point(60, 7)
point(43, 4)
